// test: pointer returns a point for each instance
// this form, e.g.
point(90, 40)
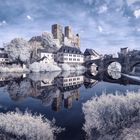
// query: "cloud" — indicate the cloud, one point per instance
point(130, 2)
point(3, 23)
point(99, 23)
point(103, 9)
point(100, 29)
point(137, 13)
point(88, 2)
point(29, 17)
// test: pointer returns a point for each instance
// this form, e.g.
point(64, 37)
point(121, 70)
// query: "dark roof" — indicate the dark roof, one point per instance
point(45, 51)
point(70, 88)
point(1, 49)
point(68, 49)
point(124, 48)
point(3, 55)
point(90, 52)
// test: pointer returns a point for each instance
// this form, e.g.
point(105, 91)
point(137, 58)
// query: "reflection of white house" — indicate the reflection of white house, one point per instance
point(91, 54)
point(70, 55)
point(70, 81)
point(45, 56)
point(47, 82)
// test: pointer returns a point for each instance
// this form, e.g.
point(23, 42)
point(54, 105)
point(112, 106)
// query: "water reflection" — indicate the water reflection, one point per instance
point(51, 88)
point(55, 89)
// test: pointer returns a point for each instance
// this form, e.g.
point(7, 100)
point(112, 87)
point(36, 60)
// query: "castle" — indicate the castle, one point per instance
point(67, 37)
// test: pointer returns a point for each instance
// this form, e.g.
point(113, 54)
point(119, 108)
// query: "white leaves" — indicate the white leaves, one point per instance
point(18, 48)
point(13, 69)
point(28, 125)
point(38, 67)
point(109, 113)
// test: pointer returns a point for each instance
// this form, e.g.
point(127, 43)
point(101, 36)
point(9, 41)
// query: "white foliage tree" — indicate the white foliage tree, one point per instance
point(112, 115)
point(31, 127)
point(18, 50)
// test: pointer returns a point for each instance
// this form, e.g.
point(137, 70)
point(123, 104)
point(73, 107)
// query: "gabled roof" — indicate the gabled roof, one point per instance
point(3, 55)
point(90, 52)
point(70, 88)
point(45, 51)
point(1, 49)
point(71, 50)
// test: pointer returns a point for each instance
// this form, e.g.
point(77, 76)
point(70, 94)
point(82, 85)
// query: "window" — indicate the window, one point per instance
point(70, 79)
point(74, 79)
point(70, 59)
point(70, 54)
point(65, 80)
point(74, 55)
point(70, 84)
point(74, 59)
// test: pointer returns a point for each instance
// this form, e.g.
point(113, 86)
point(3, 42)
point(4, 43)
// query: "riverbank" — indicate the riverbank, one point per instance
point(38, 67)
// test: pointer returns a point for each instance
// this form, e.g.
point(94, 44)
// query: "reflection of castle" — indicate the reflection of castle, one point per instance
point(58, 92)
point(55, 90)
point(68, 87)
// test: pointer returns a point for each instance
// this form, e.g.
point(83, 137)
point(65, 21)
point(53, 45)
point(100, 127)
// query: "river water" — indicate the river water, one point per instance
point(69, 99)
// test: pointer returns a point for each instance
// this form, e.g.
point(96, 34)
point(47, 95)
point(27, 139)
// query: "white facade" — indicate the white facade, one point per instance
point(4, 60)
point(69, 58)
point(92, 57)
point(48, 57)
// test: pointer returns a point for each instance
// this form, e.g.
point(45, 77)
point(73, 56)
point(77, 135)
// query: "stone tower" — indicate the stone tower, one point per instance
point(57, 31)
point(68, 32)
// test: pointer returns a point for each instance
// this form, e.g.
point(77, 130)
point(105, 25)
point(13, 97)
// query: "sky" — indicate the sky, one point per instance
point(103, 25)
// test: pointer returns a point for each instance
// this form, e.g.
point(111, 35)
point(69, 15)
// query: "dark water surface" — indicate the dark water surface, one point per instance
point(59, 96)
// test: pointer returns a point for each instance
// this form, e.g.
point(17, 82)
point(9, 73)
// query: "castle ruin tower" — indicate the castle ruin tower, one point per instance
point(68, 32)
point(57, 31)
point(74, 39)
